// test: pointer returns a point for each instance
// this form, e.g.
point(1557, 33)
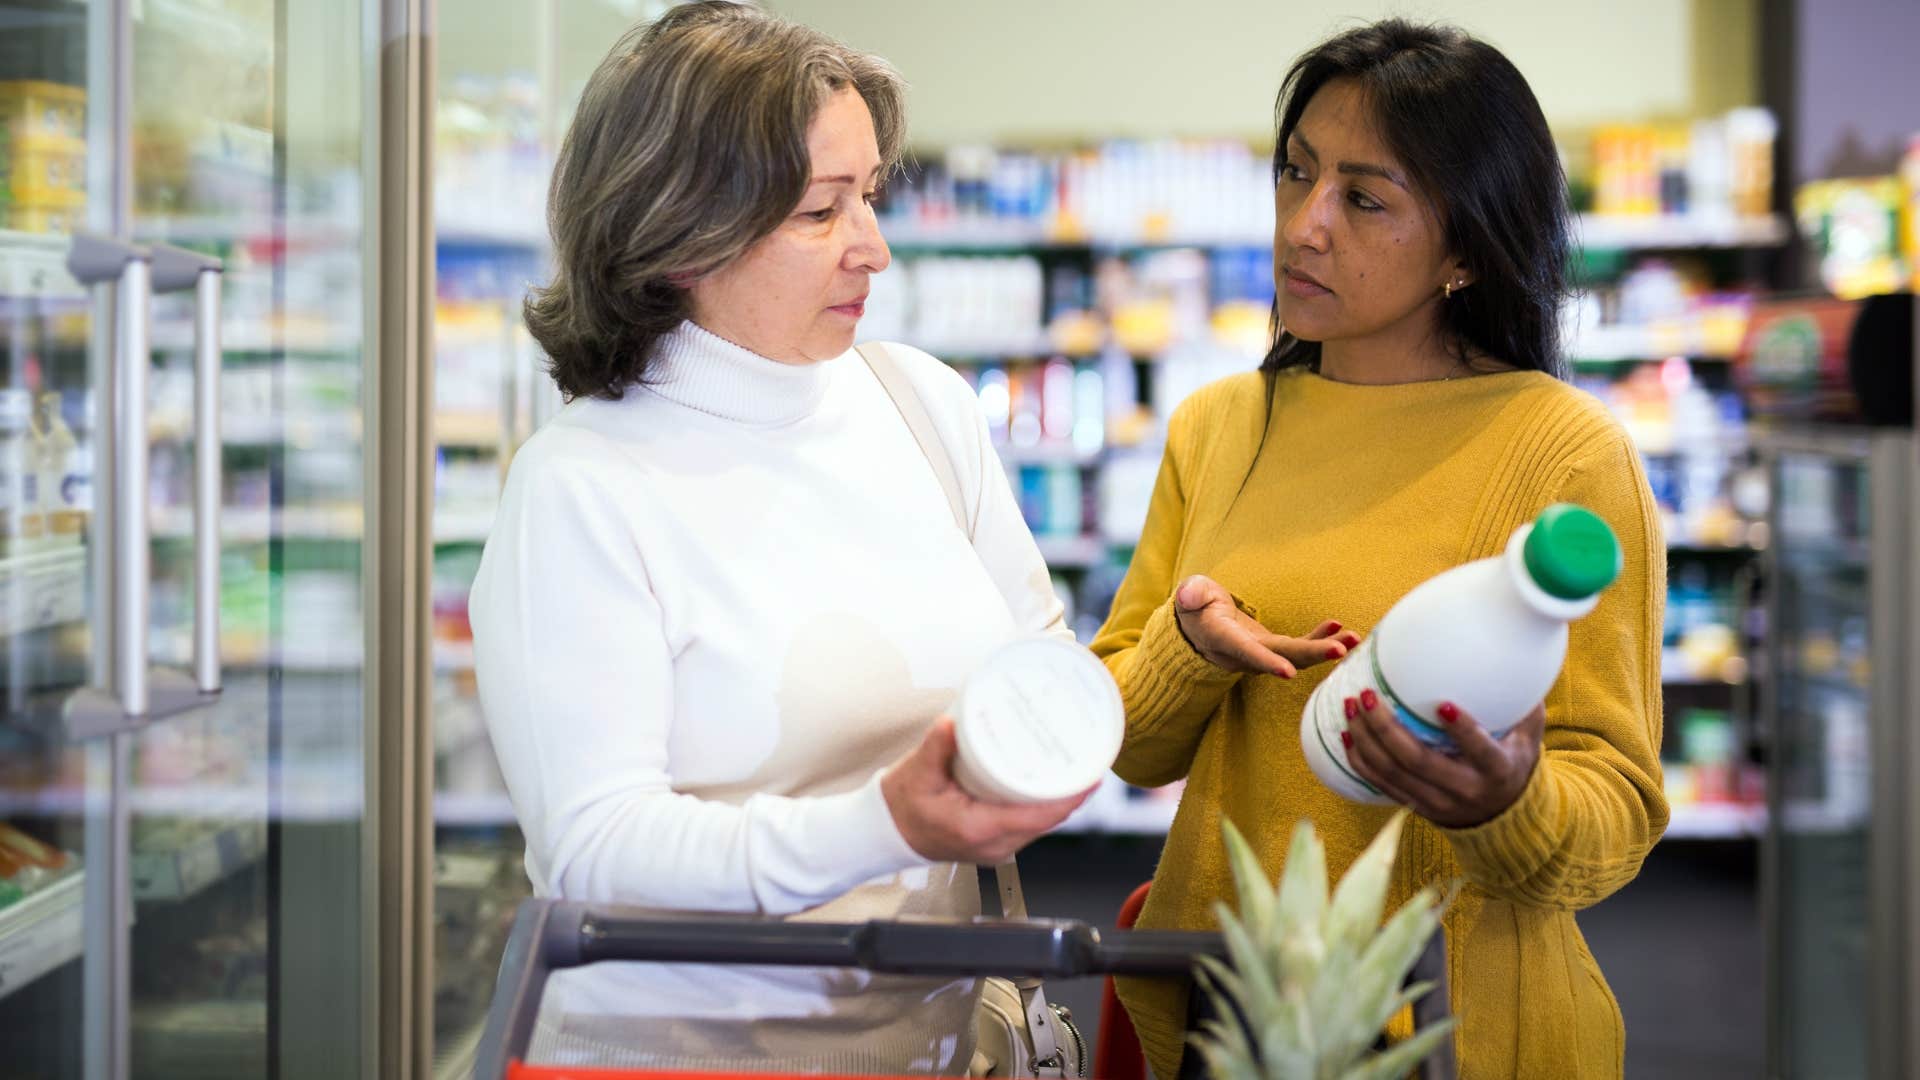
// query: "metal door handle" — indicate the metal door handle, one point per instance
point(176, 269)
point(137, 694)
point(98, 260)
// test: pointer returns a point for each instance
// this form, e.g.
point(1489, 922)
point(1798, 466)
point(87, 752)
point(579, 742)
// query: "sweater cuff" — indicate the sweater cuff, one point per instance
point(1167, 672)
point(1519, 840)
point(863, 824)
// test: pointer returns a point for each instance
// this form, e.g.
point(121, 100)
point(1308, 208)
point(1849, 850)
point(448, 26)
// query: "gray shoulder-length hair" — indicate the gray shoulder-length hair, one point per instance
point(689, 145)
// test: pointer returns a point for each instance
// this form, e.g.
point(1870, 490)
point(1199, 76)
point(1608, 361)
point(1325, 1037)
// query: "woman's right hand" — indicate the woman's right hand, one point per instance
point(942, 823)
point(1229, 638)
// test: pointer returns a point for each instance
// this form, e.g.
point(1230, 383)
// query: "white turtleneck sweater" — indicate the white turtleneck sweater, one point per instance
point(708, 615)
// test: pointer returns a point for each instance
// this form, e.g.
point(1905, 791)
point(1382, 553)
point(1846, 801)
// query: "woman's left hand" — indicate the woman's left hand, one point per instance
point(1454, 791)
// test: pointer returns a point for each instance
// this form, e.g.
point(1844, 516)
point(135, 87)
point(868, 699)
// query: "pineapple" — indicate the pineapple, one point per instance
point(1316, 981)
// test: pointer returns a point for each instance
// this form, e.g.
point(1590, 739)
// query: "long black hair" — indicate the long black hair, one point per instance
point(1464, 123)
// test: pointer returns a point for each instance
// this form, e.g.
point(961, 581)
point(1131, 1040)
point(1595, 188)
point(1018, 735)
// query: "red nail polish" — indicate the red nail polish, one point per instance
point(1369, 700)
point(1333, 628)
point(1449, 712)
point(1346, 739)
point(1353, 708)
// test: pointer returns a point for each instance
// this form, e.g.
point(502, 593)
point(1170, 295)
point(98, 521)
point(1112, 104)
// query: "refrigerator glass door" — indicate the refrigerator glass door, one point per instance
point(50, 380)
point(1821, 675)
point(248, 145)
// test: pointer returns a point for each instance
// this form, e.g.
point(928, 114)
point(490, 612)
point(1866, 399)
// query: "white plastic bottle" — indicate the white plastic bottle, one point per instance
point(58, 451)
point(20, 520)
point(1040, 719)
point(1489, 636)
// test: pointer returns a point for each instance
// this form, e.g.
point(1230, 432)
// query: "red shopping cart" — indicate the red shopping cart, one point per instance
point(550, 935)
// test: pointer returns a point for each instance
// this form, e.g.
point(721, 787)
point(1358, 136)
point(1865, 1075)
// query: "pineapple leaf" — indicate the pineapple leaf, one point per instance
point(1400, 1060)
point(1362, 892)
point(1253, 888)
point(1302, 906)
point(1221, 984)
point(1287, 1045)
point(1368, 999)
point(1225, 1046)
point(1390, 957)
point(1260, 983)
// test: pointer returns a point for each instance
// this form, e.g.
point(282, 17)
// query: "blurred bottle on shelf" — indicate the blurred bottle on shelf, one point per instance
point(22, 520)
point(1122, 191)
point(1714, 169)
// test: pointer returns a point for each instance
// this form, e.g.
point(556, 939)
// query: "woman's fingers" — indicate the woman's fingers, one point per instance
point(1444, 772)
point(1305, 652)
point(1405, 770)
point(1239, 648)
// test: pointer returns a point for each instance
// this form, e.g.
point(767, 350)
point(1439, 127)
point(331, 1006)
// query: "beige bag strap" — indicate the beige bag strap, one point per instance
point(906, 399)
point(1013, 903)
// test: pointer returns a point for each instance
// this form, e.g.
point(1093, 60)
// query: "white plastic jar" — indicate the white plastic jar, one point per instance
point(1040, 719)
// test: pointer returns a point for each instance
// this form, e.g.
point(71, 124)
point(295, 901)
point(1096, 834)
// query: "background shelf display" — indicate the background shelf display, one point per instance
point(40, 932)
point(33, 266)
point(191, 856)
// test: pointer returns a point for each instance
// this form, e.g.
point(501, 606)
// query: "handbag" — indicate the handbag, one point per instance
point(1017, 1031)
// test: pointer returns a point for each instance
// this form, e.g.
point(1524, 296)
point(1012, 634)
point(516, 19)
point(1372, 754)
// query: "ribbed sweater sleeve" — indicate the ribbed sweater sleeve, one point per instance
point(1594, 805)
point(1169, 691)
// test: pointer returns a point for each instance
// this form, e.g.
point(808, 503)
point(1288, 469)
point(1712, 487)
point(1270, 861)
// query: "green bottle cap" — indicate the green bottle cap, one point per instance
point(1571, 554)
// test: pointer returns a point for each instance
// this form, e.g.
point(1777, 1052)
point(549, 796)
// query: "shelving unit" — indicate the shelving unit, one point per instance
point(40, 932)
point(41, 589)
point(1591, 231)
point(33, 266)
point(179, 871)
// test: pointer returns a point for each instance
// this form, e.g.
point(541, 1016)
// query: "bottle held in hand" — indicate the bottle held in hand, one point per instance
point(1489, 636)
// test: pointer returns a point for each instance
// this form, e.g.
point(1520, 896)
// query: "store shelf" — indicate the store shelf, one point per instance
point(990, 234)
point(473, 808)
point(35, 265)
point(452, 656)
point(312, 793)
point(488, 234)
point(467, 429)
point(1824, 819)
point(1047, 454)
point(298, 231)
point(1716, 821)
point(1072, 552)
point(1591, 231)
point(991, 351)
point(1712, 550)
point(462, 525)
point(176, 337)
point(41, 932)
point(1613, 344)
point(264, 431)
point(1599, 233)
point(258, 524)
point(177, 872)
point(42, 589)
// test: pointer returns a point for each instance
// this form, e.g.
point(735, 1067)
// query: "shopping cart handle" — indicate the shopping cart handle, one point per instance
point(550, 934)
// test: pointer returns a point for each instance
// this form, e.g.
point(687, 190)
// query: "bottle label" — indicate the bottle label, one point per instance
point(1327, 714)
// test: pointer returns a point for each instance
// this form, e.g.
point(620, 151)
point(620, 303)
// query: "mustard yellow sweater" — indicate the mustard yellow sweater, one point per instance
point(1311, 499)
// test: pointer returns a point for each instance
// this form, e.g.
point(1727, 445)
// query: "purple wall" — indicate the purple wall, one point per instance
point(1857, 93)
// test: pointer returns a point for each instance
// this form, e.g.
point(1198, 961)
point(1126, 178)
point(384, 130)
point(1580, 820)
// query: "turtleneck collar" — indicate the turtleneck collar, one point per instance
point(703, 371)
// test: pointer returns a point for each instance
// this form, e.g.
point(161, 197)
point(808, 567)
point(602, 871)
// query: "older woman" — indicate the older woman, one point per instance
point(725, 600)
